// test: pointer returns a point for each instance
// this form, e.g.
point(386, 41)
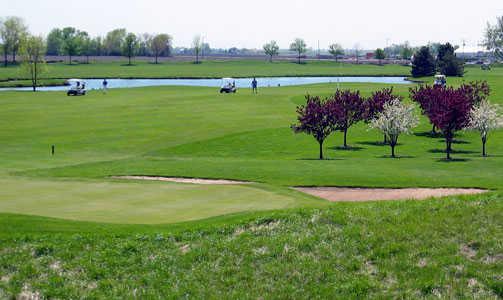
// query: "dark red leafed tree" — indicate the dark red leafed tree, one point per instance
point(313, 118)
point(425, 96)
point(345, 108)
point(447, 108)
point(375, 104)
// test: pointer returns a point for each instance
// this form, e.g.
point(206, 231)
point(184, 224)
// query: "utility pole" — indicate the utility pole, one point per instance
point(464, 44)
point(202, 47)
point(319, 50)
point(387, 48)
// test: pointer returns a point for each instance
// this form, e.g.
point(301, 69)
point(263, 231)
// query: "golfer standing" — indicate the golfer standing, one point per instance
point(254, 86)
point(105, 84)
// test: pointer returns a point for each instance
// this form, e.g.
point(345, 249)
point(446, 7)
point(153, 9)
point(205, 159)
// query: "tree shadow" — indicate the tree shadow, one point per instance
point(372, 143)
point(459, 142)
point(453, 151)
point(128, 65)
point(348, 148)
point(429, 134)
point(396, 156)
point(453, 160)
point(489, 155)
point(317, 159)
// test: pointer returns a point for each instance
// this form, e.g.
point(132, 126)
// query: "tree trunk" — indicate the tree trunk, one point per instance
point(70, 59)
point(392, 150)
point(5, 61)
point(129, 57)
point(156, 59)
point(448, 148)
point(34, 77)
point(321, 149)
point(484, 140)
point(299, 59)
point(270, 58)
point(345, 137)
point(434, 130)
point(14, 57)
point(385, 139)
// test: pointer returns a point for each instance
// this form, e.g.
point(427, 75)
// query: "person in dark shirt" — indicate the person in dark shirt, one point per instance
point(254, 86)
point(105, 84)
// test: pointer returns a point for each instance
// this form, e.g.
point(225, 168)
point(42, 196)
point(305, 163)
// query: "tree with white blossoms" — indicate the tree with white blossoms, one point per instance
point(485, 117)
point(395, 119)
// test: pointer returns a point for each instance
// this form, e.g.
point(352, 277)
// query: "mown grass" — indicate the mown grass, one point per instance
point(28, 83)
point(208, 69)
point(120, 239)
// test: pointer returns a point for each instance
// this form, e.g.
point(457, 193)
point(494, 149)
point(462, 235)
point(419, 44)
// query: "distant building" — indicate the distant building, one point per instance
point(473, 53)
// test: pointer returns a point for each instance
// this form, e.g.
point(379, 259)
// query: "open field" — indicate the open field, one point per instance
point(68, 229)
point(208, 69)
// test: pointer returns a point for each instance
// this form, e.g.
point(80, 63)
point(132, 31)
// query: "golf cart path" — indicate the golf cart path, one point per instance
point(338, 194)
point(334, 194)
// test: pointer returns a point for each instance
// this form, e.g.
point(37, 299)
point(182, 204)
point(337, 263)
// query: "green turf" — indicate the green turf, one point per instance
point(449, 248)
point(139, 202)
point(208, 69)
point(68, 230)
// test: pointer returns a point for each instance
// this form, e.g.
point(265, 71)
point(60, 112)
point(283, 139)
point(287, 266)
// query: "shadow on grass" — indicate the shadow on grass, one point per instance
point(453, 151)
point(453, 160)
point(429, 134)
point(317, 159)
point(373, 143)
point(396, 156)
point(348, 148)
point(128, 65)
point(458, 142)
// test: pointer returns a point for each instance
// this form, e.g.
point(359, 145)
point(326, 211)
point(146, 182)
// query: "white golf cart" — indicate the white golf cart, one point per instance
point(440, 80)
point(77, 87)
point(228, 86)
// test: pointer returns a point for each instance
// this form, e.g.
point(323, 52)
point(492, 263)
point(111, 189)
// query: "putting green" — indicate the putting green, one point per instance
point(137, 202)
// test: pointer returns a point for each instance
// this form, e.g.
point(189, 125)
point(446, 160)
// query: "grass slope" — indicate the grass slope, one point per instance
point(446, 248)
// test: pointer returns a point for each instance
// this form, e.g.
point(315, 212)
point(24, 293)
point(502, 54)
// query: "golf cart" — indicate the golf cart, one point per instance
point(485, 66)
point(440, 80)
point(228, 86)
point(77, 87)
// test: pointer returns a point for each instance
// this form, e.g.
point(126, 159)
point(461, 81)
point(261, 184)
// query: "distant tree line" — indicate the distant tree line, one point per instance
point(70, 42)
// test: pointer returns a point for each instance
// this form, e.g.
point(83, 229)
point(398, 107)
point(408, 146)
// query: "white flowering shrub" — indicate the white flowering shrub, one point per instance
point(395, 119)
point(485, 117)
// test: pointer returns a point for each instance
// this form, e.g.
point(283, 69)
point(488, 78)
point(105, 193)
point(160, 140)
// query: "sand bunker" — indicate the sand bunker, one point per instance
point(183, 180)
point(336, 194)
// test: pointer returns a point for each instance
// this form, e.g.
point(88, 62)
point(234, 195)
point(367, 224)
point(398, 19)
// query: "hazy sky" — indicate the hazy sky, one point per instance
point(226, 23)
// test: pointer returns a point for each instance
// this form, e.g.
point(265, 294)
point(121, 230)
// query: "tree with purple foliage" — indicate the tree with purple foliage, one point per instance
point(314, 119)
point(426, 96)
point(447, 108)
point(375, 104)
point(345, 108)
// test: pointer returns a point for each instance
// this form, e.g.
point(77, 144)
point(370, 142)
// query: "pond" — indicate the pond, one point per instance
point(240, 82)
